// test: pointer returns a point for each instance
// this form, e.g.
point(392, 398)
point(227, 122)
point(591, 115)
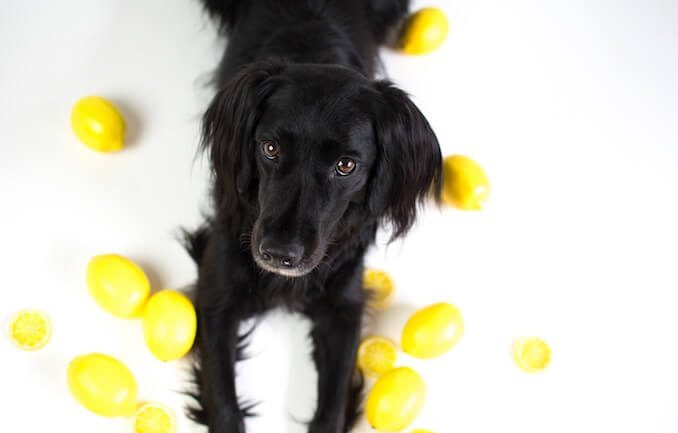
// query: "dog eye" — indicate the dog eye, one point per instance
point(345, 166)
point(270, 148)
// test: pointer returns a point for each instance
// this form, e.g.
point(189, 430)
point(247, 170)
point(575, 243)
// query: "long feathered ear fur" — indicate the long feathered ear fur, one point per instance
point(409, 163)
point(228, 128)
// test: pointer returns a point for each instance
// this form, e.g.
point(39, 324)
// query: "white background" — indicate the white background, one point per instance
point(570, 105)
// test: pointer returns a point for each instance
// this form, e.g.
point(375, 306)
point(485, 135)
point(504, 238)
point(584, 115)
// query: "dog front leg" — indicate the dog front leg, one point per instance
point(336, 334)
point(218, 333)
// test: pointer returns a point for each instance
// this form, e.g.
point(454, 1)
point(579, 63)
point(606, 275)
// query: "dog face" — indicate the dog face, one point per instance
point(314, 149)
point(302, 146)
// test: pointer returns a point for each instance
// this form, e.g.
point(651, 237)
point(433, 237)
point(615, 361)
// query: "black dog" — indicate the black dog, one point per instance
point(310, 155)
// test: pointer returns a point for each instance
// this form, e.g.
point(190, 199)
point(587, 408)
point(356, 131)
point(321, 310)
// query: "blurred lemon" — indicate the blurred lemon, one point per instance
point(424, 31)
point(30, 329)
point(169, 324)
point(102, 384)
point(432, 331)
point(380, 287)
point(531, 354)
point(395, 400)
point(154, 418)
point(118, 285)
point(376, 356)
point(465, 184)
point(98, 124)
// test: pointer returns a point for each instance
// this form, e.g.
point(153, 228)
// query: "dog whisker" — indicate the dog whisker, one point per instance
point(245, 241)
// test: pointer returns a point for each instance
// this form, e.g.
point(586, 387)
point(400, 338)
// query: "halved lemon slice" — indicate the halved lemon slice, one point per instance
point(531, 354)
point(154, 418)
point(30, 329)
point(376, 356)
point(380, 287)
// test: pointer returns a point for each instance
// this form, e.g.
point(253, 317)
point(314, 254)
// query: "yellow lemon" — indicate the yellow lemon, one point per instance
point(465, 184)
point(432, 331)
point(376, 356)
point(169, 324)
point(102, 384)
point(380, 287)
point(98, 124)
point(30, 329)
point(531, 354)
point(424, 31)
point(395, 400)
point(154, 418)
point(118, 285)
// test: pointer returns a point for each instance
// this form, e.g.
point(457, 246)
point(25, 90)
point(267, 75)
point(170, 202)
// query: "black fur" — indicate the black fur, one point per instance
point(297, 101)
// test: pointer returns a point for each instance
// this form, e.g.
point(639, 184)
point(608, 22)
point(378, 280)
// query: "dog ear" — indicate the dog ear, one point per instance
point(409, 164)
point(228, 131)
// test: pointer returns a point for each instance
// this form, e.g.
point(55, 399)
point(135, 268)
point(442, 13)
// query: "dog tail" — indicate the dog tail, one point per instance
point(386, 15)
point(224, 12)
point(195, 242)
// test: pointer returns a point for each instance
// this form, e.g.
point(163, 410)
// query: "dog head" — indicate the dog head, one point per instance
point(301, 146)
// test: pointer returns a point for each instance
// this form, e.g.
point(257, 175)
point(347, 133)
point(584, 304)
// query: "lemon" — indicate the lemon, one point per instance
point(531, 354)
point(395, 400)
point(424, 31)
point(102, 384)
point(376, 356)
point(432, 331)
point(465, 184)
point(30, 329)
point(98, 124)
point(154, 418)
point(118, 285)
point(380, 287)
point(169, 324)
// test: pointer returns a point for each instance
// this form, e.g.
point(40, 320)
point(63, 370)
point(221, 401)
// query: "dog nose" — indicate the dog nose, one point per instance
point(284, 255)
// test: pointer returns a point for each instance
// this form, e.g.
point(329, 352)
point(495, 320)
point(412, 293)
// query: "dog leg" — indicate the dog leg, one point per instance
point(336, 334)
point(218, 333)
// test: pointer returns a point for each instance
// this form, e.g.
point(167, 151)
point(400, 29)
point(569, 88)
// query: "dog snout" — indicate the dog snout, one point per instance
point(286, 255)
